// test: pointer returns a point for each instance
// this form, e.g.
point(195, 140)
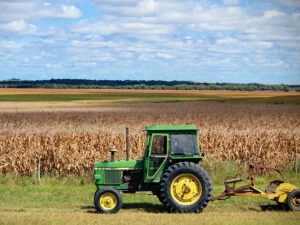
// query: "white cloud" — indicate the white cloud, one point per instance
point(270, 35)
point(126, 55)
point(60, 11)
point(177, 16)
point(26, 61)
point(143, 8)
point(11, 45)
point(22, 10)
point(290, 44)
point(143, 58)
point(53, 65)
point(272, 13)
point(94, 44)
point(263, 44)
point(290, 3)
point(119, 27)
point(48, 54)
point(88, 55)
point(231, 2)
point(227, 41)
point(89, 64)
point(237, 43)
point(164, 55)
point(96, 27)
point(147, 28)
point(296, 16)
point(117, 2)
point(18, 27)
point(48, 41)
point(236, 46)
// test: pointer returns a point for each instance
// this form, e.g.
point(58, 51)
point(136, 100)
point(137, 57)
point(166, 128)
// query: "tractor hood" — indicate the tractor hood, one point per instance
point(109, 173)
point(120, 165)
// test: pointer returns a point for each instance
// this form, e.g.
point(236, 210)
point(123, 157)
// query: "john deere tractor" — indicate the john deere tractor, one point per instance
point(169, 169)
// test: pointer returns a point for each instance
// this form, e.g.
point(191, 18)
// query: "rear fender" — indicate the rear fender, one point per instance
point(283, 190)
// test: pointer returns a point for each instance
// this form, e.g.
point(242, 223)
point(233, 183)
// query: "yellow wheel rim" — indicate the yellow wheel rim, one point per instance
point(186, 189)
point(296, 201)
point(108, 201)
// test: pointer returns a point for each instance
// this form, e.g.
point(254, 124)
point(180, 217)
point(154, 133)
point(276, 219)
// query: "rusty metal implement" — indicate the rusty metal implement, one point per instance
point(285, 194)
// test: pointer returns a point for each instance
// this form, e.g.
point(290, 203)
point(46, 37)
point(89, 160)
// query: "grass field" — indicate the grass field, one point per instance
point(70, 201)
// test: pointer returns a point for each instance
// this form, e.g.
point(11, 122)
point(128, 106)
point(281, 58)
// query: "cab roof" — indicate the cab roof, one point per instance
point(170, 127)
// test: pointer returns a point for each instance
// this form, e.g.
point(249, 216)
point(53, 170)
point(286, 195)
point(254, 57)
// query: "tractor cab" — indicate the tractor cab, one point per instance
point(167, 145)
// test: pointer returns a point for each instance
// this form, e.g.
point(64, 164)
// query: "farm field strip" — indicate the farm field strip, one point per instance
point(131, 91)
point(104, 97)
point(71, 137)
point(116, 96)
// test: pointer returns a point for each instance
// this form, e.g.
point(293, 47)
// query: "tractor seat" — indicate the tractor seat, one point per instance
point(271, 189)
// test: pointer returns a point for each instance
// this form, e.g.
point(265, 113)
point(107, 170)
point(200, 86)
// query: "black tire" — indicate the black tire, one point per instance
point(95, 193)
point(155, 191)
point(172, 173)
point(293, 200)
point(111, 201)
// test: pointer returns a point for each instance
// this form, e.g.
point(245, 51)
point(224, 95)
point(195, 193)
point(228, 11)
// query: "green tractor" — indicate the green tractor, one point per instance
point(169, 169)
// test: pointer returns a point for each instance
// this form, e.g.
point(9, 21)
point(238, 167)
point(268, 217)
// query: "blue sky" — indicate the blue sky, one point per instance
point(239, 41)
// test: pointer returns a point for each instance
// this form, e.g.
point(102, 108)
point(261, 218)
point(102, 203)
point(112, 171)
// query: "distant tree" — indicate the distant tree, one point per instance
point(285, 88)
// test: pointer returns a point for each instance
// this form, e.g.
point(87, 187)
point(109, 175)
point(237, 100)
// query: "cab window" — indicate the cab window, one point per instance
point(183, 144)
point(159, 145)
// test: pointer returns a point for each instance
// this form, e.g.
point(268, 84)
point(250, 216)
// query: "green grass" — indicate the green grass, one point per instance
point(145, 98)
point(70, 201)
point(221, 171)
point(277, 100)
point(131, 97)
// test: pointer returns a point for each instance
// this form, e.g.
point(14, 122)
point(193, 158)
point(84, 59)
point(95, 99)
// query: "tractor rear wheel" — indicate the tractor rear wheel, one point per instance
point(293, 200)
point(108, 200)
point(185, 187)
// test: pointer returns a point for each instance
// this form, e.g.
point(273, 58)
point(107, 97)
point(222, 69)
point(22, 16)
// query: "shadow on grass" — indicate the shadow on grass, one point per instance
point(146, 207)
point(273, 208)
point(268, 208)
point(89, 208)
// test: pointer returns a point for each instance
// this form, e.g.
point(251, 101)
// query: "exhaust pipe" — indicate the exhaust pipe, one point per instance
point(127, 143)
point(112, 151)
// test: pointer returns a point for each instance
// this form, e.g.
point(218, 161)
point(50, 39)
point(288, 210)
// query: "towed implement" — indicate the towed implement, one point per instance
point(170, 170)
point(285, 194)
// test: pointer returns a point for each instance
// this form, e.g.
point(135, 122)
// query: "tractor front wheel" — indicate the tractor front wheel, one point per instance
point(185, 187)
point(108, 200)
point(293, 200)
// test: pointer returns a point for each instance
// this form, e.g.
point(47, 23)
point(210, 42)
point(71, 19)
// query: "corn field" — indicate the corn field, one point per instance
point(69, 138)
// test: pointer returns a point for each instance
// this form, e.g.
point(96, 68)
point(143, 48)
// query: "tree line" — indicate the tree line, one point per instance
point(143, 84)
